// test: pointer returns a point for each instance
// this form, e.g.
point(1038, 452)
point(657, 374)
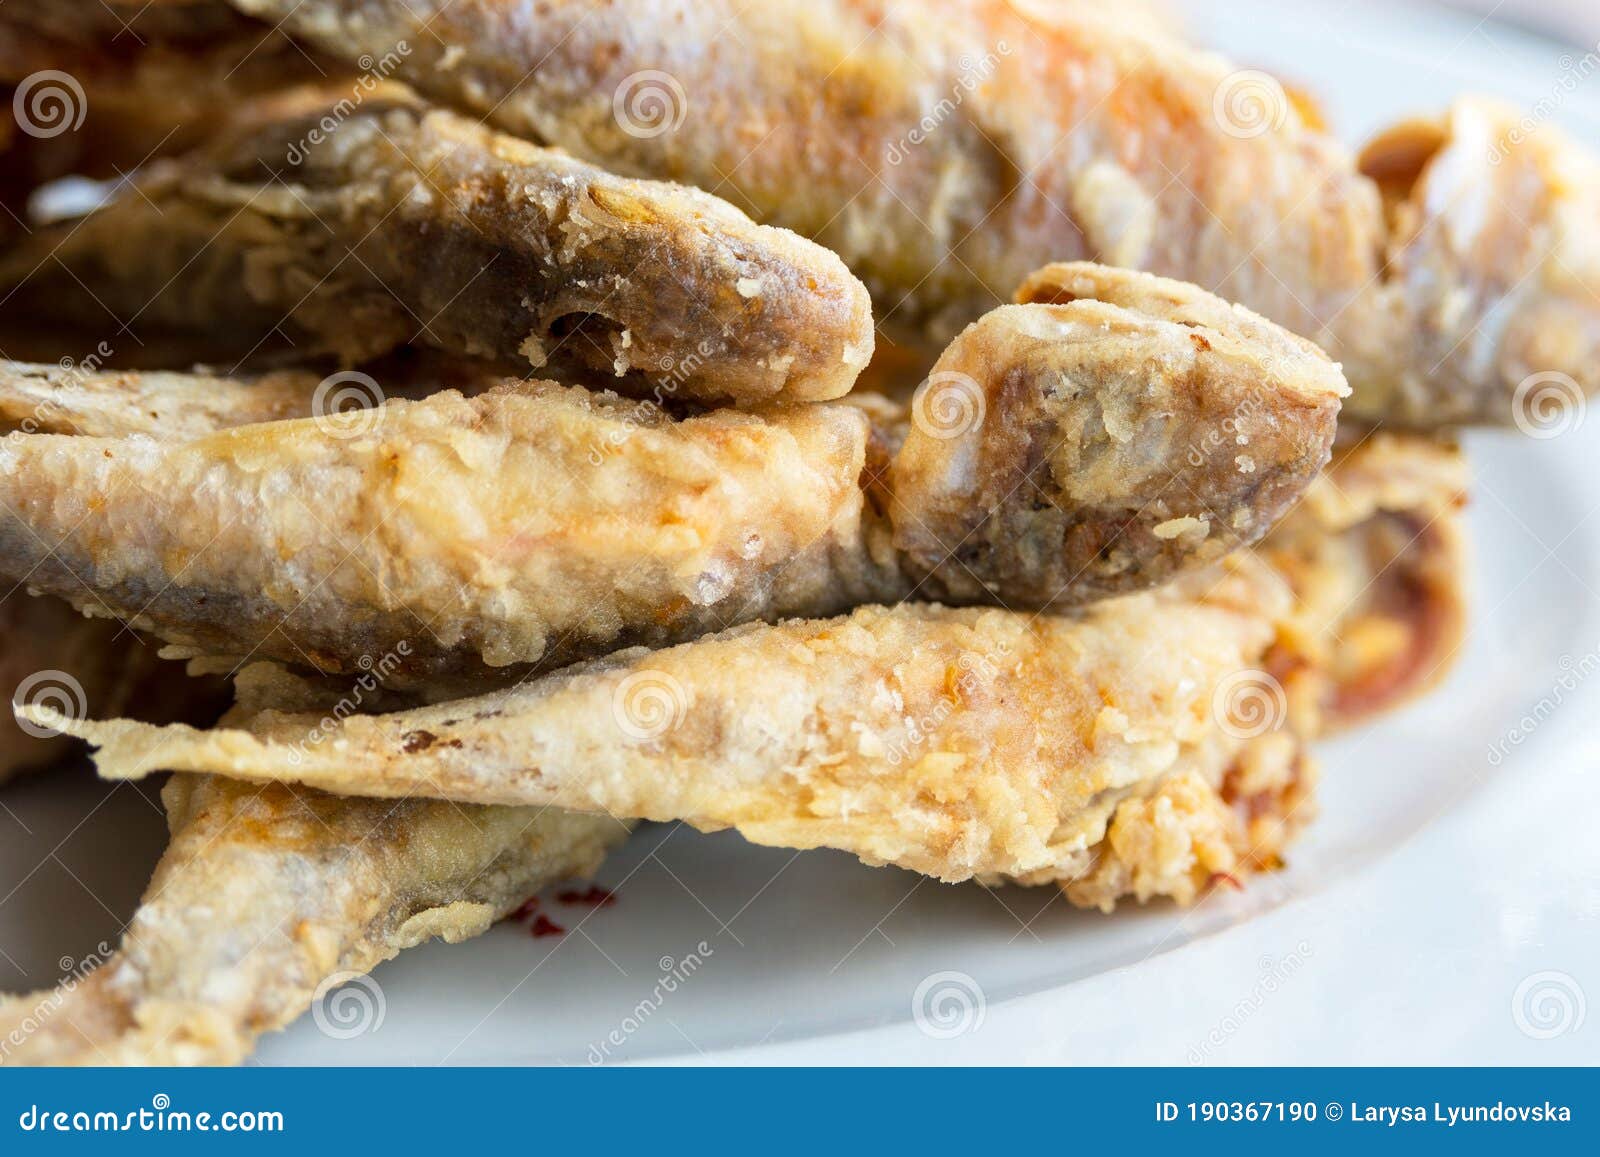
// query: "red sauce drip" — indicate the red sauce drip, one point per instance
point(544, 926)
point(594, 897)
point(527, 908)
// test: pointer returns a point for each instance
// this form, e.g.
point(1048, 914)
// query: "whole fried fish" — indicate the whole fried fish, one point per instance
point(958, 743)
point(1063, 452)
point(943, 154)
point(362, 225)
point(264, 897)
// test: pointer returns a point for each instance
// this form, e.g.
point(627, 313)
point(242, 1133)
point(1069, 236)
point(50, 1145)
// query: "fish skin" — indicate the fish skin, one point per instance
point(958, 743)
point(265, 897)
point(944, 157)
point(530, 524)
point(402, 223)
point(533, 524)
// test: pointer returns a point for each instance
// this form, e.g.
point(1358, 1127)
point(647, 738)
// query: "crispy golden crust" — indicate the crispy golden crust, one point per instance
point(264, 894)
point(65, 399)
point(956, 743)
point(1139, 430)
point(529, 524)
point(943, 158)
point(1112, 432)
point(1376, 556)
point(401, 224)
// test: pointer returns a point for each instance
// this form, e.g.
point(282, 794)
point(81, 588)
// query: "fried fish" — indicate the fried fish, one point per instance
point(1376, 556)
point(943, 156)
point(958, 743)
point(264, 896)
point(359, 226)
point(534, 524)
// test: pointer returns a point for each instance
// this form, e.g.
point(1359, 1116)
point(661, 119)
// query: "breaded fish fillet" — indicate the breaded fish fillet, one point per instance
point(944, 153)
point(264, 895)
point(1064, 452)
point(398, 224)
point(1376, 555)
point(958, 743)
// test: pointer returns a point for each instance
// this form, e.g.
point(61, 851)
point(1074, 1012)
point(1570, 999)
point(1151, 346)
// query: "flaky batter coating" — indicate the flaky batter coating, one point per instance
point(1376, 556)
point(66, 399)
point(1113, 431)
point(401, 224)
point(264, 894)
point(958, 743)
point(943, 155)
point(525, 525)
point(1137, 431)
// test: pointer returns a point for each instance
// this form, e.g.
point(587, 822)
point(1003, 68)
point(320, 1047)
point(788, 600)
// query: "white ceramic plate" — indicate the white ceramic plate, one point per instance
point(1442, 909)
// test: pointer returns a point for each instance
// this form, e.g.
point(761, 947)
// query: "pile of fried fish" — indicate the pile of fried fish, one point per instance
point(794, 417)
